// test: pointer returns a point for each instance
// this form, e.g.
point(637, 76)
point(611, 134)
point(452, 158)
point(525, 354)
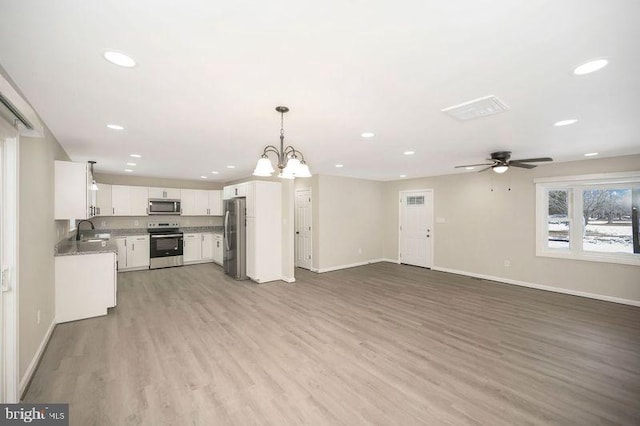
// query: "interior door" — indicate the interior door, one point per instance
point(303, 229)
point(416, 228)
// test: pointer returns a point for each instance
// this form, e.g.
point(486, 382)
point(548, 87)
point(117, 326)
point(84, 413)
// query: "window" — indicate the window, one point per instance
point(592, 217)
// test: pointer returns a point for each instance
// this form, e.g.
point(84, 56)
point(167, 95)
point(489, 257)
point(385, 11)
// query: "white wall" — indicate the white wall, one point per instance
point(38, 234)
point(350, 221)
point(485, 228)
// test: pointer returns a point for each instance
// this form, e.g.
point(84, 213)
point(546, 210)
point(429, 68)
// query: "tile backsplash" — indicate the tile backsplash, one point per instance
point(135, 222)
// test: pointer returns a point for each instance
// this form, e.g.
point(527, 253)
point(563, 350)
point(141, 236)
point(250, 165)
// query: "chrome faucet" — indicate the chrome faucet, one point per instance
point(78, 228)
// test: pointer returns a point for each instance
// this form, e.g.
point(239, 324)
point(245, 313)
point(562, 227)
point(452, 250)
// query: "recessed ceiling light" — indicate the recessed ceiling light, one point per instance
point(203, 177)
point(115, 127)
point(231, 167)
point(591, 154)
point(214, 173)
point(131, 164)
point(135, 155)
point(128, 170)
point(565, 122)
point(403, 176)
point(469, 168)
point(339, 166)
point(590, 66)
point(409, 152)
point(367, 134)
point(119, 58)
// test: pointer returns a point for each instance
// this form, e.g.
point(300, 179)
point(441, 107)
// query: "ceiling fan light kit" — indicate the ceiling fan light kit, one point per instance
point(501, 161)
point(290, 161)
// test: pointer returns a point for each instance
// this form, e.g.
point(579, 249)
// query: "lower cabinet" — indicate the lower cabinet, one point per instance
point(85, 285)
point(218, 248)
point(199, 247)
point(192, 247)
point(133, 252)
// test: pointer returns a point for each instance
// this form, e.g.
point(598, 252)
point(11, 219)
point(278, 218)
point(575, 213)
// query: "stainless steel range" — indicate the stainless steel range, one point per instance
point(166, 246)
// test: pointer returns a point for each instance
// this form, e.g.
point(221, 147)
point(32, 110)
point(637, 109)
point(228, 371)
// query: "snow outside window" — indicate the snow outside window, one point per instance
point(592, 217)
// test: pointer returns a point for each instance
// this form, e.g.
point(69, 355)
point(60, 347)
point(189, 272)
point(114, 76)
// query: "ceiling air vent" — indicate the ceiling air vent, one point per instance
point(477, 108)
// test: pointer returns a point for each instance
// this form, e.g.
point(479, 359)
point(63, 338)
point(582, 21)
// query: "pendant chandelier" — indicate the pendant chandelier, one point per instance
point(290, 161)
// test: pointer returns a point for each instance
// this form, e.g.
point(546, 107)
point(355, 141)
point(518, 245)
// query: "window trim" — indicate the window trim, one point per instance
point(576, 184)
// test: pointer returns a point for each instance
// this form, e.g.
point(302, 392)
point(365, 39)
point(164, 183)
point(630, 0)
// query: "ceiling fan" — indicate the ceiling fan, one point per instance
point(500, 162)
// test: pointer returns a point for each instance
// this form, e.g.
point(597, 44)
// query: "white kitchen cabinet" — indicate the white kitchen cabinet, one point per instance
point(166, 193)
point(192, 247)
point(264, 230)
point(139, 201)
point(133, 252)
point(72, 195)
point(121, 242)
point(120, 200)
point(85, 286)
point(206, 241)
point(232, 191)
point(129, 200)
point(103, 200)
point(201, 202)
point(195, 202)
point(138, 251)
point(218, 248)
point(215, 203)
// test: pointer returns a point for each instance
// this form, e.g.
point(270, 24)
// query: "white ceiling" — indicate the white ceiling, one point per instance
point(210, 74)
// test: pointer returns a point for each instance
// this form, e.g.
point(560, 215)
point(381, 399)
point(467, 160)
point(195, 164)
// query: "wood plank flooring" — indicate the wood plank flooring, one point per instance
point(380, 344)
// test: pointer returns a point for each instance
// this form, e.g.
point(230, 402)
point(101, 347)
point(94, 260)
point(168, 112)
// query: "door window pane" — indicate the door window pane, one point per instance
point(607, 217)
point(558, 223)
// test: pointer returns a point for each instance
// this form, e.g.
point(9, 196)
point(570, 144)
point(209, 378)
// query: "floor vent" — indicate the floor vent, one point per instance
point(477, 108)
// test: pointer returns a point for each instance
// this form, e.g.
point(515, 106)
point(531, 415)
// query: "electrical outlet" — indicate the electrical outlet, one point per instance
point(507, 263)
point(38, 316)
point(136, 223)
point(104, 223)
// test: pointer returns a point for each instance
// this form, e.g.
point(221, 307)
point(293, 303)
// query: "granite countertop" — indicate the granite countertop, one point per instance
point(73, 247)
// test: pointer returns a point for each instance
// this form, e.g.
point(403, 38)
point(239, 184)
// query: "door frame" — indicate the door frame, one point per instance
point(9, 241)
point(295, 211)
point(432, 238)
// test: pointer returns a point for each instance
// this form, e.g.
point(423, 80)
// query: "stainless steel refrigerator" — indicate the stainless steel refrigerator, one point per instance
point(235, 240)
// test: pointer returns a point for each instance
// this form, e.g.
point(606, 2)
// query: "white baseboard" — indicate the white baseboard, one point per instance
point(390, 260)
point(541, 287)
point(288, 279)
point(36, 358)
point(351, 265)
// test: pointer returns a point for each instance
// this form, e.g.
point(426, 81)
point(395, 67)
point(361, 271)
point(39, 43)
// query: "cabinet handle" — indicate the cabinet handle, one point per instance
point(98, 211)
point(133, 246)
point(113, 210)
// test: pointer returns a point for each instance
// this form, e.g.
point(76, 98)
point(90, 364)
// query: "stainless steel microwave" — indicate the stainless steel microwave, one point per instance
point(164, 206)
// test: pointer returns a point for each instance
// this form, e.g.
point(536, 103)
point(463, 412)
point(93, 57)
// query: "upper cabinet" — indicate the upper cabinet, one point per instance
point(201, 202)
point(232, 191)
point(129, 200)
point(74, 198)
point(167, 193)
point(103, 200)
point(215, 203)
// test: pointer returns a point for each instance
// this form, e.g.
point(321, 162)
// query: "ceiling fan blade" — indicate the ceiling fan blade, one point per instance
point(485, 169)
point(474, 165)
point(522, 165)
point(532, 160)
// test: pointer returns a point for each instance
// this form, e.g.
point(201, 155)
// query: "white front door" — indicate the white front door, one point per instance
point(416, 228)
point(303, 228)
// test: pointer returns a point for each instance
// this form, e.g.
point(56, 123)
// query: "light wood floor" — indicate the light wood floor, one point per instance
point(380, 344)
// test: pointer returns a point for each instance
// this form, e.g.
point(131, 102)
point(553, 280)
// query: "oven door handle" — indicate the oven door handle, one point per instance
point(166, 236)
point(226, 229)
